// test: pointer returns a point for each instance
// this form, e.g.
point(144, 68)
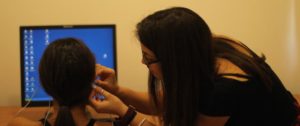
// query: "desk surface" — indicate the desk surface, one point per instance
point(36, 113)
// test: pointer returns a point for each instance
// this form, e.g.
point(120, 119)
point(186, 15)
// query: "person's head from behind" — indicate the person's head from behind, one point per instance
point(67, 69)
point(177, 48)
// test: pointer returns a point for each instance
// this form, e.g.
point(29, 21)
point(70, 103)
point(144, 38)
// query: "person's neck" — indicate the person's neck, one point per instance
point(78, 113)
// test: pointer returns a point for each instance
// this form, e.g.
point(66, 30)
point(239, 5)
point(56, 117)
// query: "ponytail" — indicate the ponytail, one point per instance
point(66, 71)
point(64, 117)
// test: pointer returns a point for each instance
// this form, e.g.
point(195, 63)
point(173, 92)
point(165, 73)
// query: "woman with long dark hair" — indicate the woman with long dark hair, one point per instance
point(197, 78)
point(66, 71)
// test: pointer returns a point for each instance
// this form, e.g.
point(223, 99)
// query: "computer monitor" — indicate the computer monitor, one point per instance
point(33, 41)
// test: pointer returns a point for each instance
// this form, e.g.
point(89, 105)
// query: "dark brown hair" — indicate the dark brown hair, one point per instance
point(67, 69)
point(181, 40)
point(187, 52)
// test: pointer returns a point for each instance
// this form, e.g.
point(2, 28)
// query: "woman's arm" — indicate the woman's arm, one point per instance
point(140, 100)
point(145, 120)
point(112, 104)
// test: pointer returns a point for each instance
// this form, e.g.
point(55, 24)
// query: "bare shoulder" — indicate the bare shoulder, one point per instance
point(225, 66)
point(21, 121)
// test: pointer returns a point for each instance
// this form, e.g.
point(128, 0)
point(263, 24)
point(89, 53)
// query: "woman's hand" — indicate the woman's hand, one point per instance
point(107, 79)
point(110, 103)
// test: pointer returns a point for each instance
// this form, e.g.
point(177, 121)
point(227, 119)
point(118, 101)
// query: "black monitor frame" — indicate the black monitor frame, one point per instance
point(21, 28)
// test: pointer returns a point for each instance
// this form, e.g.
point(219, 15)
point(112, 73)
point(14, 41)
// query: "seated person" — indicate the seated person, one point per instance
point(67, 70)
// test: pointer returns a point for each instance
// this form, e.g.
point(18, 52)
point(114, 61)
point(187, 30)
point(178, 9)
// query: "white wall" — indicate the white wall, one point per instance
point(267, 26)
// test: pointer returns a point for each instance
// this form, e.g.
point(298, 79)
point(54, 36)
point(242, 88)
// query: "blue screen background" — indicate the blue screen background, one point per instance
point(100, 40)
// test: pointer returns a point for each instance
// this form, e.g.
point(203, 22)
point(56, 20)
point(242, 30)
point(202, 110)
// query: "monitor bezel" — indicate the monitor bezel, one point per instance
point(36, 27)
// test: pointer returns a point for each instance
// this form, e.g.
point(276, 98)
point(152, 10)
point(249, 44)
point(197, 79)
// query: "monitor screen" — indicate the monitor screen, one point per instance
point(34, 40)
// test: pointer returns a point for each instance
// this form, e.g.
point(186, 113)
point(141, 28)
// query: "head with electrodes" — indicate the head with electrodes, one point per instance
point(66, 71)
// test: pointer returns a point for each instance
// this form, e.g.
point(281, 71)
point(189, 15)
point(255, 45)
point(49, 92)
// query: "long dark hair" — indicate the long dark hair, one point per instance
point(67, 69)
point(243, 57)
point(181, 40)
point(187, 51)
point(282, 102)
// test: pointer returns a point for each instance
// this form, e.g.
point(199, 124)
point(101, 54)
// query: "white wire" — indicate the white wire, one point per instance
point(142, 122)
point(23, 108)
point(48, 112)
point(28, 102)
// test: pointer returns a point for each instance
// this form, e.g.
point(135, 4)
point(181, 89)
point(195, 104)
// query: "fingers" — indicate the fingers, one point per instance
point(101, 91)
point(99, 106)
point(96, 102)
point(100, 68)
point(101, 83)
point(103, 71)
point(103, 105)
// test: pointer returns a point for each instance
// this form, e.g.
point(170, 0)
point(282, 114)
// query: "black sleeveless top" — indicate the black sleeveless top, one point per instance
point(91, 122)
point(248, 103)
